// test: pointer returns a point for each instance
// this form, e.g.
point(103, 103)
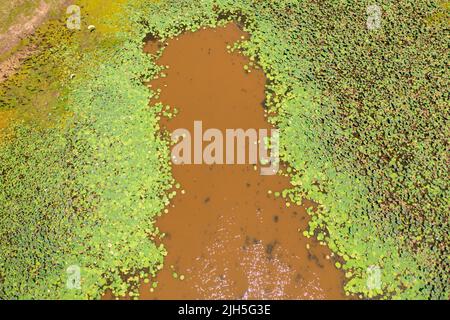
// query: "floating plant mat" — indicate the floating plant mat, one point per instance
point(362, 115)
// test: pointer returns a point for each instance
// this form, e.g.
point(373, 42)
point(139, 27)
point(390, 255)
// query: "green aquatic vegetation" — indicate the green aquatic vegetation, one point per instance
point(362, 117)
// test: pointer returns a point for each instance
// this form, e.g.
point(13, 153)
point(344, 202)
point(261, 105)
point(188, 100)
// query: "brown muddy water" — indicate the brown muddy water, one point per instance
point(226, 236)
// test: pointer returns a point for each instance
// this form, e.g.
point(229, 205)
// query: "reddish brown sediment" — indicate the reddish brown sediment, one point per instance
point(23, 27)
point(225, 234)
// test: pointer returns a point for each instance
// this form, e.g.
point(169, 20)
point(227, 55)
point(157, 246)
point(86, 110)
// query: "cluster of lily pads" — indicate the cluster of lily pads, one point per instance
point(362, 116)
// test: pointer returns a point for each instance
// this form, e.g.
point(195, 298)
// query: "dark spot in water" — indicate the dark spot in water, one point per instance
point(207, 200)
point(314, 258)
point(275, 219)
point(228, 221)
